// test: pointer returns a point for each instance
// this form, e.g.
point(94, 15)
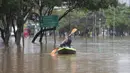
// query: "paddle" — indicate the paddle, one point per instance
point(73, 31)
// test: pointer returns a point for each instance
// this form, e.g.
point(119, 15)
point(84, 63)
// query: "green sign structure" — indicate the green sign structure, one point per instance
point(49, 21)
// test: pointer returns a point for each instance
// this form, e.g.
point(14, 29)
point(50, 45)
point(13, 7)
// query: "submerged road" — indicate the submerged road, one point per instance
point(108, 55)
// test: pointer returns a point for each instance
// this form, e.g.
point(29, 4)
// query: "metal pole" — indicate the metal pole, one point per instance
point(69, 17)
point(114, 25)
point(54, 39)
point(45, 41)
point(95, 28)
point(69, 22)
point(103, 24)
point(113, 31)
point(86, 35)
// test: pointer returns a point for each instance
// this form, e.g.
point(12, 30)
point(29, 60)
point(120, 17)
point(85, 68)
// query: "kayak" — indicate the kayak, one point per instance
point(66, 50)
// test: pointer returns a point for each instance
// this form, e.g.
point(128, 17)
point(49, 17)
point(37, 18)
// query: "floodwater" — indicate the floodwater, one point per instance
point(108, 55)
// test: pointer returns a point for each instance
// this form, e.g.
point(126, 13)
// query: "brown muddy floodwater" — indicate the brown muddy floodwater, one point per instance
point(93, 56)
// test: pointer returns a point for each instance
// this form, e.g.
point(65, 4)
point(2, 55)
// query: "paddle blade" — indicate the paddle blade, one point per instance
point(54, 51)
point(73, 31)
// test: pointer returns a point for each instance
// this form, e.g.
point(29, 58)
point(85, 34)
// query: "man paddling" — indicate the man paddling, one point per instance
point(66, 43)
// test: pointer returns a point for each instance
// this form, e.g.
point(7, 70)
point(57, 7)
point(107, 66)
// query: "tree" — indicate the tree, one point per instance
point(49, 5)
point(17, 10)
point(12, 12)
point(95, 6)
point(118, 19)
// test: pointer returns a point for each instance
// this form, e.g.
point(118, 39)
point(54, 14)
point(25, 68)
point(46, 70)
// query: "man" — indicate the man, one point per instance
point(66, 43)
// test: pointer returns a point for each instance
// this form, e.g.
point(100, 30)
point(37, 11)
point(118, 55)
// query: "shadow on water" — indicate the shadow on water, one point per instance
point(96, 57)
point(43, 47)
point(59, 64)
point(66, 63)
point(20, 61)
point(12, 63)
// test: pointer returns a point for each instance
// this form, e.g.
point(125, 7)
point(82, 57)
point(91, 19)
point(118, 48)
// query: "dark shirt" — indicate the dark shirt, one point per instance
point(66, 43)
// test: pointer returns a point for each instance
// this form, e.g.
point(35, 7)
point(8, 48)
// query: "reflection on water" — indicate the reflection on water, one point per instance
point(12, 63)
point(80, 63)
point(102, 56)
point(66, 63)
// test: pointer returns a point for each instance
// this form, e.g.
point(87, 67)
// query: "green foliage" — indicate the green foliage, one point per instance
point(13, 5)
point(9, 5)
point(0, 2)
point(73, 16)
point(89, 4)
point(118, 17)
point(97, 4)
point(50, 3)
